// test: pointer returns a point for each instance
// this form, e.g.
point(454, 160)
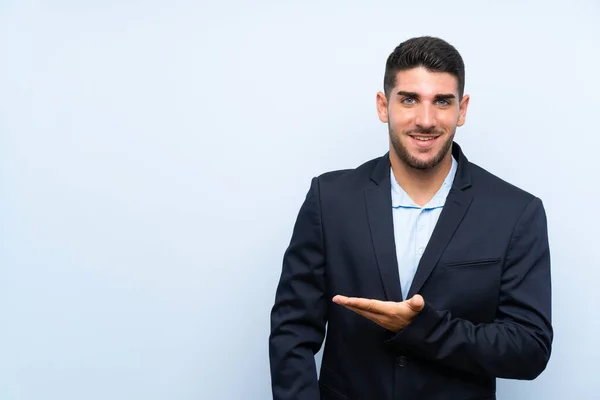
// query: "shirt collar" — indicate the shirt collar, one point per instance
point(401, 199)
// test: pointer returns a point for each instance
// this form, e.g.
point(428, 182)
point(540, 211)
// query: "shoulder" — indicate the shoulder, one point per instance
point(348, 179)
point(497, 190)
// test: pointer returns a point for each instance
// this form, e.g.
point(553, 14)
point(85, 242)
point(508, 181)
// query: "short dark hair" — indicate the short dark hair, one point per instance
point(434, 54)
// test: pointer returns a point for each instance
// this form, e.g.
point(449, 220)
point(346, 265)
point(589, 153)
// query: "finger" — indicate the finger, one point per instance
point(416, 303)
point(344, 300)
point(375, 306)
point(339, 299)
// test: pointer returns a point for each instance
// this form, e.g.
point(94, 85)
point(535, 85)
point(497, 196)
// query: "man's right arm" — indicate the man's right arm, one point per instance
point(299, 314)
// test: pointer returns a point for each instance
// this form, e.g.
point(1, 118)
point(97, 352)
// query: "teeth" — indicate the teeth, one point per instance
point(423, 138)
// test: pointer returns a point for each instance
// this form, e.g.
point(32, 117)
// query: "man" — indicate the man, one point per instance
point(432, 275)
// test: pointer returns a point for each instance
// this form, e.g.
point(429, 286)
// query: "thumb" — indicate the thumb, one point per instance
point(416, 302)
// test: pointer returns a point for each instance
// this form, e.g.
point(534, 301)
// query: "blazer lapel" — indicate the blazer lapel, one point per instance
point(378, 198)
point(458, 202)
point(454, 210)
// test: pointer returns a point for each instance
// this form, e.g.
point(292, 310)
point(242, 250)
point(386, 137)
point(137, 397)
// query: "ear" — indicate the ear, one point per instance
point(462, 113)
point(382, 107)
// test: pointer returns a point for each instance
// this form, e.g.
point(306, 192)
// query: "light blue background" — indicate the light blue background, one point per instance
point(154, 156)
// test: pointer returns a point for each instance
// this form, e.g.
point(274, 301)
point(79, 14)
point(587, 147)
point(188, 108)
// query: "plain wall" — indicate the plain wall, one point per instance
point(154, 155)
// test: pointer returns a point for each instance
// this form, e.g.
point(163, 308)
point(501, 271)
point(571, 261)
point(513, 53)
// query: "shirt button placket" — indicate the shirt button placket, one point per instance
point(420, 232)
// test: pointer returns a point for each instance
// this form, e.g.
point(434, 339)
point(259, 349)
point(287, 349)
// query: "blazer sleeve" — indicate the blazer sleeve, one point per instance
point(299, 314)
point(517, 345)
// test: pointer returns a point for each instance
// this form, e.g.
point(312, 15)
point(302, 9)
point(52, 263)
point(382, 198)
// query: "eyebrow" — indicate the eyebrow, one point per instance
point(444, 96)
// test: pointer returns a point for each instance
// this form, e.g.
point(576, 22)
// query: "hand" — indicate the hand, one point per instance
point(387, 314)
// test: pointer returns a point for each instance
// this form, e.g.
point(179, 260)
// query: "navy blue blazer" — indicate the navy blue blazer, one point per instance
point(485, 278)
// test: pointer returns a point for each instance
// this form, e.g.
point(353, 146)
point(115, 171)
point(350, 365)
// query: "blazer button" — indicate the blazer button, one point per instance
point(401, 361)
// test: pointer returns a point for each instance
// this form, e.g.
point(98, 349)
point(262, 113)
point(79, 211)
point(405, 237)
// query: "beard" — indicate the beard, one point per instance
point(414, 162)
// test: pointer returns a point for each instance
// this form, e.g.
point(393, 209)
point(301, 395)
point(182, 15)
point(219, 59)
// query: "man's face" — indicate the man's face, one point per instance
point(422, 113)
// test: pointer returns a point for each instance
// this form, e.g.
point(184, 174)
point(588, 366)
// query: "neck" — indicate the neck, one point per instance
point(420, 184)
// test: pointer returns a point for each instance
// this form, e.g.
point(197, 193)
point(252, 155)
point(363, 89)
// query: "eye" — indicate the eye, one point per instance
point(442, 102)
point(408, 100)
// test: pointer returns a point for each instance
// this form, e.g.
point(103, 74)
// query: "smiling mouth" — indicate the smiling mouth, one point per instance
point(424, 138)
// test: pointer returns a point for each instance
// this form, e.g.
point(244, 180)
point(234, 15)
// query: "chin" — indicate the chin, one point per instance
point(423, 164)
point(423, 159)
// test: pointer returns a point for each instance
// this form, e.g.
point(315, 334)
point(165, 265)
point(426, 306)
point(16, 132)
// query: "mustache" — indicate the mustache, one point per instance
point(421, 131)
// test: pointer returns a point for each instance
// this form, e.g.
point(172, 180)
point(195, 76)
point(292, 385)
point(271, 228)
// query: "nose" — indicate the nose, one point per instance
point(426, 117)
